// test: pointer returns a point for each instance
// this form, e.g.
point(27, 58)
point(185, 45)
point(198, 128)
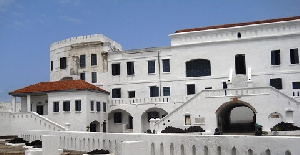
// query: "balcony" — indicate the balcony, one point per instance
point(149, 100)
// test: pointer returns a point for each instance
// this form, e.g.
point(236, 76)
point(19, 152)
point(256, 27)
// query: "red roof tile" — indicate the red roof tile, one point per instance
point(58, 86)
point(239, 24)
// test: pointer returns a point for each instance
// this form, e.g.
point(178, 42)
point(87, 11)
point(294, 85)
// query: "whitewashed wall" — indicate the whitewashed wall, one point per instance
point(78, 120)
point(174, 144)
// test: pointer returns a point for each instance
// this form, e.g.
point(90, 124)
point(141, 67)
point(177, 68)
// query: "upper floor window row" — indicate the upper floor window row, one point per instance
point(131, 71)
point(294, 56)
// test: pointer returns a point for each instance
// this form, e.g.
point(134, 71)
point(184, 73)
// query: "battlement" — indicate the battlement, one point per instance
point(84, 39)
point(242, 32)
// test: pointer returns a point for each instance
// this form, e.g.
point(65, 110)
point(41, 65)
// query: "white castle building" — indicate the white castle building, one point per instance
point(226, 77)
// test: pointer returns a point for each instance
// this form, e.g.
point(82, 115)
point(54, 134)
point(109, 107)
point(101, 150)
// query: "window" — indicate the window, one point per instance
point(66, 106)
point(98, 106)
point(130, 68)
point(77, 105)
point(294, 56)
point(116, 93)
point(166, 65)
point(240, 64)
point(276, 83)
point(275, 57)
point(117, 117)
point(154, 91)
point(239, 35)
point(166, 91)
point(55, 106)
point(104, 107)
point(63, 63)
point(131, 94)
point(94, 77)
point(224, 84)
point(190, 89)
point(93, 59)
point(296, 85)
point(151, 67)
point(115, 69)
point(92, 105)
point(82, 76)
point(51, 65)
point(197, 68)
point(82, 61)
point(153, 114)
point(187, 120)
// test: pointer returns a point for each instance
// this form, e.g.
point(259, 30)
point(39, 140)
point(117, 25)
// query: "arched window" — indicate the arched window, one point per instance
point(239, 35)
point(197, 68)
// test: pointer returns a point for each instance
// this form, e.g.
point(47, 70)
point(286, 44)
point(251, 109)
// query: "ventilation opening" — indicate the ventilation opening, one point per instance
point(239, 35)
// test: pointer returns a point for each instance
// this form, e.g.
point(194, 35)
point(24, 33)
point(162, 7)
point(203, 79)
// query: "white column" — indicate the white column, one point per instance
point(13, 104)
point(28, 103)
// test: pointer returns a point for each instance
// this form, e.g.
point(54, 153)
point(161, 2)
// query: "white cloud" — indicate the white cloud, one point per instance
point(71, 19)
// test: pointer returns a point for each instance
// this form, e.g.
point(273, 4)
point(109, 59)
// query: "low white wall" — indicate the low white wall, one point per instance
point(14, 123)
point(173, 143)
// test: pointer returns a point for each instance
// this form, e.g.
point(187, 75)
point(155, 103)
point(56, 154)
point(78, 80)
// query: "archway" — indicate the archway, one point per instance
point(95, 126)
point(236, 117)
point(151, 113)
point(120, 121)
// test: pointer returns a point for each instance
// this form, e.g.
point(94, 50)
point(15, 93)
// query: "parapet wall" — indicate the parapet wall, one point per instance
point(173, 144)
point(236, 33)
point(82, 39)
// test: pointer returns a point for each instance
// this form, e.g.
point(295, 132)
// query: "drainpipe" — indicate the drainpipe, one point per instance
point(159, 72)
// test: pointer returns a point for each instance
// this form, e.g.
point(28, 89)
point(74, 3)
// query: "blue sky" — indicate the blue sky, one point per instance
point(28, 27)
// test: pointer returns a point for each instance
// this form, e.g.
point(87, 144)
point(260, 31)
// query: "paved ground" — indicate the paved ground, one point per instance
point(19, 150)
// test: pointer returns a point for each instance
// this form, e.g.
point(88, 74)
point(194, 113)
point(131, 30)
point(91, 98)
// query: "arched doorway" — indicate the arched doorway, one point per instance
point(151, 113)
point(95, 126)
point(120, 121)
point(236, 117)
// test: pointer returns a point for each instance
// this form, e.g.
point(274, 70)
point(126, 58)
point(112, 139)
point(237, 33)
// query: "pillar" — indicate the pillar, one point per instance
point(13, 104)
point(28, 103)
point(50, 145)
point(137, 124)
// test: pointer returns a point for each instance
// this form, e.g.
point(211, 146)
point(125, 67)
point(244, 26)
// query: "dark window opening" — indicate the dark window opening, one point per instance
point(98, 106)
point(166, 91)
point(208, 87)
point(115, 69)
point(77, 105)
point(296, 85)
point(63, 63)
point(51, 65)
point(294, 56)
point(130, 68)
point(239, 35)
point(93, 59)
point(240, 65)
point(276, 83)
point(117, 117)
point(154, 91)
point(104, 107)
point(190, 89)
point(197, 68)
point(151, 67)
point(82, 76)
point(153, 114)
point(166, 65)
point(92, 105)
point(82, 61)
point(224, 84)
point(55, 106)
point(275, 57)
point(94, 77)
point(116, 93)
point(66, 106)
point(131, 94)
